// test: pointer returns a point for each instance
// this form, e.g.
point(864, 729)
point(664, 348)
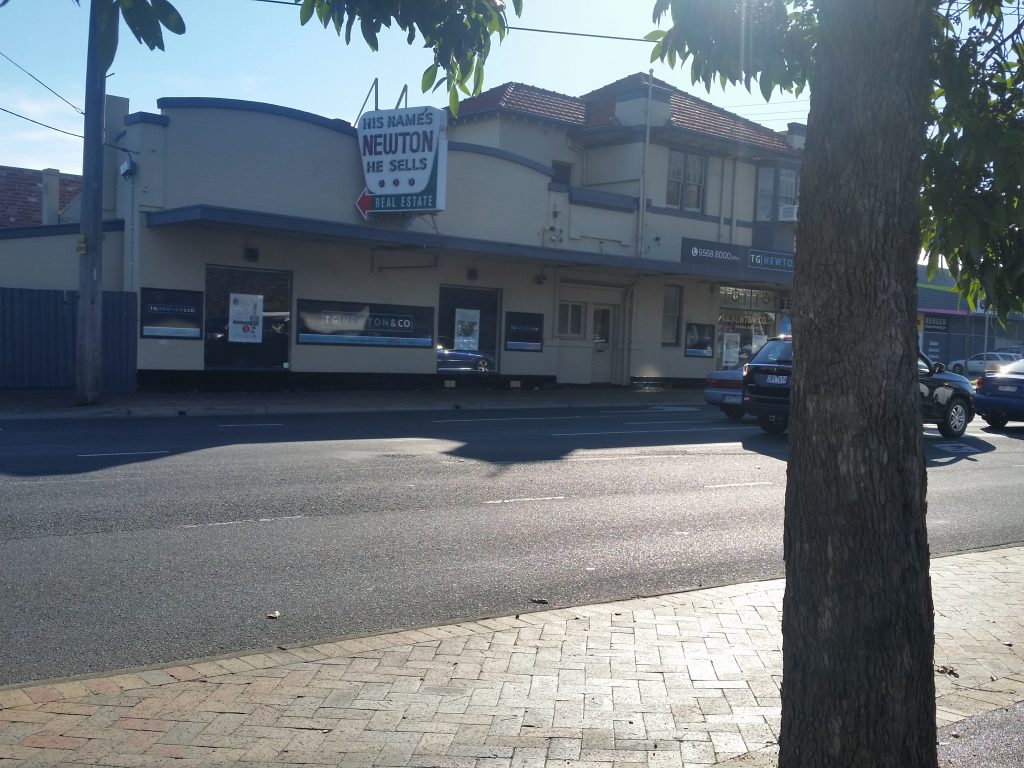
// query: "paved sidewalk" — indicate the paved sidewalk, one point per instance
point(682, 680)
point(59, 404)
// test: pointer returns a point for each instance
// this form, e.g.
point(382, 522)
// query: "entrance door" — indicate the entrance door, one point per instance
point(601, 332)
point(248, 318)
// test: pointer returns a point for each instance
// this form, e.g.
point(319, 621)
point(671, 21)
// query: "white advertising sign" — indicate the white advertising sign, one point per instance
point(730, 349)
point(404, 154)
point(245, 318)
point(467, 329)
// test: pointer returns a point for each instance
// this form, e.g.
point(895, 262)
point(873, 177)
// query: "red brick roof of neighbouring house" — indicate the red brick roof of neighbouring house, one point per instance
point(597, 110)
point(526, 100)
point(21, 195)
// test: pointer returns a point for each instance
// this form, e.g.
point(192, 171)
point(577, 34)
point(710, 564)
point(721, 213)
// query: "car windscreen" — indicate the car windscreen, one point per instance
point(1017, 367)
point(775, 352)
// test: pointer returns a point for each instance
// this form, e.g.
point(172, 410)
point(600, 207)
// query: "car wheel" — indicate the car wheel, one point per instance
point(482, 366)
point(958, 369)
point(998, 419)
point(773, 426)
point(954, 420)
point(734, 412)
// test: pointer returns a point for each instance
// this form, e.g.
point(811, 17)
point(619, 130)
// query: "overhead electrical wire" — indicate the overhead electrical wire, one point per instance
point(41, 83)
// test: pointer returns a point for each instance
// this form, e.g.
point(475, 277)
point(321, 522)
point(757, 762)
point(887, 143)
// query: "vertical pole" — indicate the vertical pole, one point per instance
point(89, 358)
point(643, 169)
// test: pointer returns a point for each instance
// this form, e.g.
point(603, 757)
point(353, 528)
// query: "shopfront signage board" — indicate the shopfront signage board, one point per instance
point(171, 314)
point(404, 154)
point(350, 323)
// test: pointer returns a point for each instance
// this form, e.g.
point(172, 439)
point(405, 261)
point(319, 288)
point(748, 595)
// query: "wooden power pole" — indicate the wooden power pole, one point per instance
point(89, 343)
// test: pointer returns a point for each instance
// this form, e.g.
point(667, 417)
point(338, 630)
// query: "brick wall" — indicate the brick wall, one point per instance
point(21, 195)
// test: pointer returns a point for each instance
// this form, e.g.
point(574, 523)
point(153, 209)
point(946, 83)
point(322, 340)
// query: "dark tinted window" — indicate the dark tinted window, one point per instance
point(775, 351)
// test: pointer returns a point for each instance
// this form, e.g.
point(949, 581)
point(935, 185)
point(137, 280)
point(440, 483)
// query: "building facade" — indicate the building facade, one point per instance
point(631, 233)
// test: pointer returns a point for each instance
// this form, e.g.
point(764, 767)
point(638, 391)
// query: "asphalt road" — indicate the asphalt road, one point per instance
point(132, 542)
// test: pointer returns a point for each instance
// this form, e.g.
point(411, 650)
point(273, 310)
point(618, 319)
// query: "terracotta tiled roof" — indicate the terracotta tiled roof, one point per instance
point(517, 98)
point(21, 195)
point(597, 110)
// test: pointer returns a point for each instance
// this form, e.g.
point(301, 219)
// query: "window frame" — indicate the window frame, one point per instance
point(569, 333)
point(678, 180)
point(678, 314)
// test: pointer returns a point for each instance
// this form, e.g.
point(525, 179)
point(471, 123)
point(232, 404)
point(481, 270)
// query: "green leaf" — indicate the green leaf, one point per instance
point(305, 12)
point(429, 76)
point(142, 21)
point(169, 16)
point(453, 100)
point(655, 35)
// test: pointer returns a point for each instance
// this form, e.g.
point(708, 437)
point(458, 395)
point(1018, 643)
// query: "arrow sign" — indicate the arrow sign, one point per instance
point(365, 203)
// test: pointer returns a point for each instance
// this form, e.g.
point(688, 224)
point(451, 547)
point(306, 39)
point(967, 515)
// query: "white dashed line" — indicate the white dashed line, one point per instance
point(252, 425)
point(535, 498)
point(126, 453)
point(642, 431)
point(737, 485)
point(510, 418)
point(239, 522)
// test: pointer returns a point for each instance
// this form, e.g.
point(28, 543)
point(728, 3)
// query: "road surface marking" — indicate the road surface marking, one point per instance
point(737, 485)
point(239, 522)
point(685, 421)
point(126, 453)
point(641, 431)
point(642, 456)
point(510, 418)
point(956, 448)
point(535, 498)
point(252, 425)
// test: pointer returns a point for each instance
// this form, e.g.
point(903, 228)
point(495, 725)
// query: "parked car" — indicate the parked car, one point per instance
point(1018, 351)
point(947, 399)
point(1000, 395)
point(981, 362)
point(463, 361)
point(725, 389)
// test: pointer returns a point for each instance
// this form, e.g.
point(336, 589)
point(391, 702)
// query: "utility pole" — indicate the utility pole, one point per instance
point(89, 344)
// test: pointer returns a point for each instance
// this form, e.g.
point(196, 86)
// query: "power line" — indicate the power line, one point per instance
point(41, 83)
point(44, 125)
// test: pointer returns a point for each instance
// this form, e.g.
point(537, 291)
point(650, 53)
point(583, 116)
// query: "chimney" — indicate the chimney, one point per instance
point(51, 196)
point(796, 135)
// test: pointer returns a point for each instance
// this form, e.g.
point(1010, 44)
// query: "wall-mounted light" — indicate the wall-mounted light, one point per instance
point(472, 274)
point(251, 254)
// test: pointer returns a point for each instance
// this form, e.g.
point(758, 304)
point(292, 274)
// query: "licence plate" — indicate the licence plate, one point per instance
point(1007, 388)
point(772, 379)
point(731, 399)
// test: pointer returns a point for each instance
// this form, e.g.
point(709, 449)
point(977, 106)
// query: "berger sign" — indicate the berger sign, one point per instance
point(404, 154)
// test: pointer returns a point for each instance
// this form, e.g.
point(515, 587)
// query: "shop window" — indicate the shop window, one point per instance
point(561, 173)
point(685, 181)
point(570, 320)
point(670, 315)
point(765, 193)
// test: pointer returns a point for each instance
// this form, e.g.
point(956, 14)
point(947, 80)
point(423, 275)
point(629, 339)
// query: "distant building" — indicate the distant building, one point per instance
point(25, 195)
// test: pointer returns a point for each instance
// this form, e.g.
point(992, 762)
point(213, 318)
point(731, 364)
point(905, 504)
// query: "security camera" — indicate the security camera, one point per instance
point(127, 168)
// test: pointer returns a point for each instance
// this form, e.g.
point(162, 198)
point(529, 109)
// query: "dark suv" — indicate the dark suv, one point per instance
point(947, 399)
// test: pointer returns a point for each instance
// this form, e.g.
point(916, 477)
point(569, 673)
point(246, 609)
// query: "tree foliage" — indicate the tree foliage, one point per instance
point(458, 33)
point(972, 200)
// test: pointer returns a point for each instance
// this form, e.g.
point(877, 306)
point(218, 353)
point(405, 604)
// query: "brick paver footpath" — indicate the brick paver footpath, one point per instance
point(682, 680)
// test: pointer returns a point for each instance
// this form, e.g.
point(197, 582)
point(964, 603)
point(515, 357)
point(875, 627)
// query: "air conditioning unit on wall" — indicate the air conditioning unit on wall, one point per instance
point(787, 212)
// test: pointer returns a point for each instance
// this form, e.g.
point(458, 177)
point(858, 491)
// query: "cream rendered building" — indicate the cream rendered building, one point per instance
point(542, 263)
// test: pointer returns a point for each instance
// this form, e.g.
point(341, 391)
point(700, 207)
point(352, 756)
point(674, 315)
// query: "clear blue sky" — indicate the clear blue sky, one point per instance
point(246, 49)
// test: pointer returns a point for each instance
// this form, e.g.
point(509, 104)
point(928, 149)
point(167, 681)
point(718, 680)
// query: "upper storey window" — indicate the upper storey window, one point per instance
point(686, 181)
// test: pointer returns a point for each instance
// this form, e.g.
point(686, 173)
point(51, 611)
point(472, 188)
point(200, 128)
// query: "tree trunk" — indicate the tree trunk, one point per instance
point(857, 627)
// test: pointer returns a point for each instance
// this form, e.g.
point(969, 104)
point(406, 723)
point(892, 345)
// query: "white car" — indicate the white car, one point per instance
point(981, 362)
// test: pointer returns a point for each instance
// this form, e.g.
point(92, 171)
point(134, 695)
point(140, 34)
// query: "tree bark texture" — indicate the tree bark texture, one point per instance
point(858, 629)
